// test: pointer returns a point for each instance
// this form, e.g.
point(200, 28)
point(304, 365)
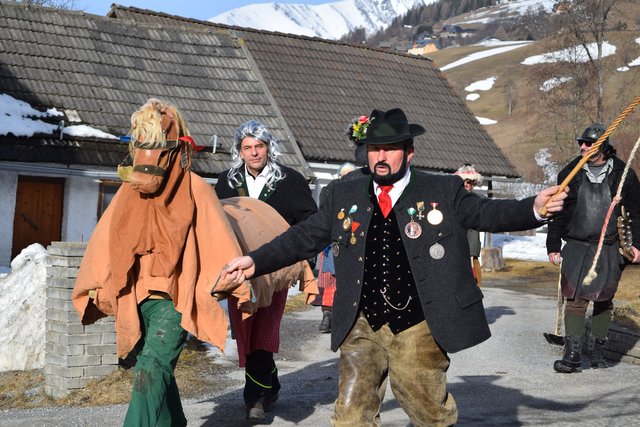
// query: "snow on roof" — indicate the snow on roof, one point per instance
point(22, 120)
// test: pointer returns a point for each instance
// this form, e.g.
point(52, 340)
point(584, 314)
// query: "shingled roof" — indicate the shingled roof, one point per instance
point(104, 69)
point(320, 86)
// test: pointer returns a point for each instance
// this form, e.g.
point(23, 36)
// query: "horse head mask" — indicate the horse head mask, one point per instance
point(159, 136)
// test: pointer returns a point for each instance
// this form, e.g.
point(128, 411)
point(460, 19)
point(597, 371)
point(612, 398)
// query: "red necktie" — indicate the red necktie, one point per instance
point(384, 200)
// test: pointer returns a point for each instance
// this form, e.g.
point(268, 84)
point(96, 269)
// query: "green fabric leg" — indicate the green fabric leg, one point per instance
point(155, 400)
point(600, 324)
point(574, 325)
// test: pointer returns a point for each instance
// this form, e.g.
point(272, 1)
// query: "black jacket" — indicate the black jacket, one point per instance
point(450, 299)
point(559, 224)
point(291, 196)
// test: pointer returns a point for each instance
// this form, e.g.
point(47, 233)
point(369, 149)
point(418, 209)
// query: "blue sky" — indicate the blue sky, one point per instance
point(198, 9)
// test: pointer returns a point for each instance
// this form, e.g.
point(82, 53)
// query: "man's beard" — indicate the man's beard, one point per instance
point(390, 178)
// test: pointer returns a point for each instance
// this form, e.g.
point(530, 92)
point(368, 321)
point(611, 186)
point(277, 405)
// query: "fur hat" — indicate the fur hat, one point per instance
point(468, 171)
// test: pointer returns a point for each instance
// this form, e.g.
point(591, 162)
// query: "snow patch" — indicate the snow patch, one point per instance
point(485, 84)
point(22, 311)
point(552, 83)
point(577, 54)
point(485, 121)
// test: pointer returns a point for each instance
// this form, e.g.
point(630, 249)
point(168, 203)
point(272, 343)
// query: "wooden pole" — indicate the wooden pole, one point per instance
point(593, 150)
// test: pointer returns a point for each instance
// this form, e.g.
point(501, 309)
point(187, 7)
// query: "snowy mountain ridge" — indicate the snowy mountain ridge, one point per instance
point(328, 20)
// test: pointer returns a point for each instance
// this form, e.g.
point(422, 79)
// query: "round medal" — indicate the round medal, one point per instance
point(346, 224)
point(353, 240)
point(413, 230)
point(335, 250)
point(434, 217)
point(341, 214)
point(436, 251)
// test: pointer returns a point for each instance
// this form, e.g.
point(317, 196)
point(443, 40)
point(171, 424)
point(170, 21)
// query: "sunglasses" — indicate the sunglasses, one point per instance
point(470, 181)
point(585, 142)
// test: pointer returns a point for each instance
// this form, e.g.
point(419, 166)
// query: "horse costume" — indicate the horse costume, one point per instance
point(156, 254)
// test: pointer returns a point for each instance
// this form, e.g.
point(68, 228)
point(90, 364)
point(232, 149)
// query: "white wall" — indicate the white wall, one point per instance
point(8, 187)
point(80, 211)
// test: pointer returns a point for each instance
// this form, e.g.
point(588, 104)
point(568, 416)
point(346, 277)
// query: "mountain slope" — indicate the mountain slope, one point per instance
point(328, 20)
point(515, 99)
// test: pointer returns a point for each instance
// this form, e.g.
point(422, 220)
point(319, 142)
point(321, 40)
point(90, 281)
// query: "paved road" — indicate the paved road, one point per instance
point(506, 381)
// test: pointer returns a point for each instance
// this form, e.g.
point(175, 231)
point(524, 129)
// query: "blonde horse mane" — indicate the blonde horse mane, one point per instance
point(147, 127)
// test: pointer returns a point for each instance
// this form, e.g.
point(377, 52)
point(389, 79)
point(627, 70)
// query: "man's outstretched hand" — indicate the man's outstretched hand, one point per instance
point(238, 270)
point(550, 201)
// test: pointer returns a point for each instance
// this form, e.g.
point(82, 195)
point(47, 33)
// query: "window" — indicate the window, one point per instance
point(108, 189)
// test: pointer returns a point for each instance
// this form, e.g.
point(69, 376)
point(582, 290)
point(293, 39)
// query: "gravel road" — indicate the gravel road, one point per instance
point(505, 381)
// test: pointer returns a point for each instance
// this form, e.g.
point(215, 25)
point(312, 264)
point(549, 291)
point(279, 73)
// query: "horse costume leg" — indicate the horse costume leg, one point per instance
point(155, 399)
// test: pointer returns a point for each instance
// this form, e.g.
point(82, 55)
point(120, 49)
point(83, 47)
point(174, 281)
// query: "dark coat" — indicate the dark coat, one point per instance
point(559, 224)
point(291, 196)
point(450, 299)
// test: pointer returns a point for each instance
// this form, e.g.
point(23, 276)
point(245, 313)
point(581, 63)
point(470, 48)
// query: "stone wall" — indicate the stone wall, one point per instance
point(623, 345)
point(75, 354)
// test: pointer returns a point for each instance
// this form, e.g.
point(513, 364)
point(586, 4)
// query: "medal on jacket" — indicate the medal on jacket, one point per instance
point(436, 251)
point(420, 206)
point(354, 227)
point(335, 249)
point(346, 223)
point(341, 214)
point(413, 230)
point(434, 216)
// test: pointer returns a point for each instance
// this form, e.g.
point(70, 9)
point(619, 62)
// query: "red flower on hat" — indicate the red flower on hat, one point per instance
point(358, 128)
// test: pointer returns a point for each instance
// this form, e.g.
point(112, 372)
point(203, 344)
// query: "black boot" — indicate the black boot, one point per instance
point(325, 324)
point(259, 372)
point(572, 359)
point(596, 353)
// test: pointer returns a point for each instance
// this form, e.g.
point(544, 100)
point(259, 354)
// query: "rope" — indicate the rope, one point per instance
point(592, 271)
point(593, 150)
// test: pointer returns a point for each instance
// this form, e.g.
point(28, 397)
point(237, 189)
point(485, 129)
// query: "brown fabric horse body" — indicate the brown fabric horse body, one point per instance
point(171, 243)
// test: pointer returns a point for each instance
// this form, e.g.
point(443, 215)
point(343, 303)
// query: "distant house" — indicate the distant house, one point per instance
point(424, 47)
point(453, 31)
point(96, 71)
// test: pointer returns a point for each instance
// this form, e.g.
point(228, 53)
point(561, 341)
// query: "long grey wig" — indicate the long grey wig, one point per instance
point(257, 130)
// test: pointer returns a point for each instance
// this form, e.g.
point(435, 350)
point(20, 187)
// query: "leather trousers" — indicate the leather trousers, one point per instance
point(411, 361)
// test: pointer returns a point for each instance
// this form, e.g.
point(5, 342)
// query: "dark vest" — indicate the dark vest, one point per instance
point(389, 293)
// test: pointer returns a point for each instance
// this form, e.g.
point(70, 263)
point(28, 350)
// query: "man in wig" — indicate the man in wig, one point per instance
point(255, 173)
point(405, 294)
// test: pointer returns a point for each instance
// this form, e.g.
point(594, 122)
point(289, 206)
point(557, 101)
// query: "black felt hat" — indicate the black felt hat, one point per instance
point(389, 127)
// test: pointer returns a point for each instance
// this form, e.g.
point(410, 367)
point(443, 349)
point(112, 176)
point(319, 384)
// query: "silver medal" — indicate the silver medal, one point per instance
point(335, 250)
point(413, 230)
point(436, 251)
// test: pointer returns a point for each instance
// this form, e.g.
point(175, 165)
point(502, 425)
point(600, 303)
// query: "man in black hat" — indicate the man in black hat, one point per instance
point(405, 293)
point(580, 225)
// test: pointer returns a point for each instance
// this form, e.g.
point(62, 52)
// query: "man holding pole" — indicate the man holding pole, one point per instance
point(405, 293)
point(579, 225)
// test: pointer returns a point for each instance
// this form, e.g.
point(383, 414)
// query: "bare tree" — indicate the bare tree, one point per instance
point(58, 4)
point(586, 23)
